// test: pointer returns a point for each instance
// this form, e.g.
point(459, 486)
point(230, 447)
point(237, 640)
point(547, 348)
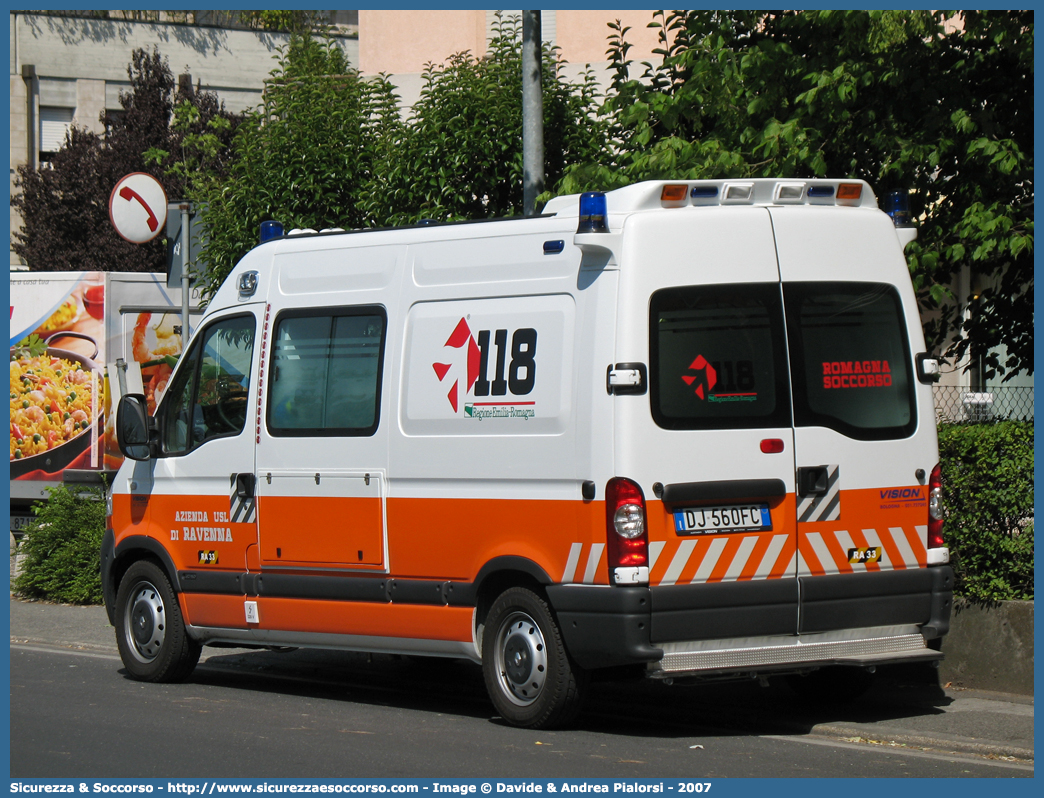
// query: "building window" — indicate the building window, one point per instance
point(54, 124)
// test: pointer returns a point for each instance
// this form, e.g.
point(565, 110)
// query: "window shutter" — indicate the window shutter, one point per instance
point(54, 122)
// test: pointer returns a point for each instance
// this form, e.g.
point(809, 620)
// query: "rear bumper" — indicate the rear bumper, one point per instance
point(858, 647)
point(783, 624)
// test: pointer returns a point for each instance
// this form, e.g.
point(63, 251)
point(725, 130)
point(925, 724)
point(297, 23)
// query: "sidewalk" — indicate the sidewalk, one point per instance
point(900, 710)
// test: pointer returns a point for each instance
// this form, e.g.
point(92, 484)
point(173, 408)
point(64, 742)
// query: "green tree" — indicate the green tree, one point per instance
point(330, 149)
point(892, 97)
point(307, 156)
point(460, 154)
point(64, 207)
point(298, 20)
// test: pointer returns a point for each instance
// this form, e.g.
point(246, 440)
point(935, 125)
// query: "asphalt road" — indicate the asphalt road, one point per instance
point(74, 713)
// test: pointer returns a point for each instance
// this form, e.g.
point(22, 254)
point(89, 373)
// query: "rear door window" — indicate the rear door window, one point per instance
point(718, 357)
point(851, 359)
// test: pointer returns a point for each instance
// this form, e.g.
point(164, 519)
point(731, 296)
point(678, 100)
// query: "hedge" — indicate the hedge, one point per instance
point(987, 472)
point(62, 547)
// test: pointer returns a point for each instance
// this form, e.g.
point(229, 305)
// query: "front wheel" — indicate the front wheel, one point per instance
point(150, 632)
point(528, 674)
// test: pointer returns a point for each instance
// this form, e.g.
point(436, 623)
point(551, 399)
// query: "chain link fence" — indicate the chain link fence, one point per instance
point(961, 405)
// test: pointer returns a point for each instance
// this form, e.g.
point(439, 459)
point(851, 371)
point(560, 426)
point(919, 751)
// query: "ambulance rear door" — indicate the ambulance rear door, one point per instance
point(864, 433)
point(717, 447)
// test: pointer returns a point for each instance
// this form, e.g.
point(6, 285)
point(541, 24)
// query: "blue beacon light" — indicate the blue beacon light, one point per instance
point(592, 213)
point(897, 205)
point(270, 230)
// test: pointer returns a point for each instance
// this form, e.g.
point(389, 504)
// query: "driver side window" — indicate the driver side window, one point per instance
point(209, 397)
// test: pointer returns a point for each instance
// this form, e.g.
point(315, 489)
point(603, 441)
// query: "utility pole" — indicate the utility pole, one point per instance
point(532, 113)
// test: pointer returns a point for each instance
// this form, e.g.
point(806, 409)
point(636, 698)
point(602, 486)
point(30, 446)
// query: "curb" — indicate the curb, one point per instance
point(950, 743)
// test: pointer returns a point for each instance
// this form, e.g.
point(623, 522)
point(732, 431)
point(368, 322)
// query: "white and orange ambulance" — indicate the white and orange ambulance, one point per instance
point(681, 428)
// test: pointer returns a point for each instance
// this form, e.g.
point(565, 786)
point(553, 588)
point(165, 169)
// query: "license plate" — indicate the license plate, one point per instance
point(715, 520)
point(20, 522)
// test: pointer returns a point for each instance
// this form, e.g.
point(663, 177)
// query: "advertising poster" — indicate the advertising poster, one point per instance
point(68, 329)
point(143, 328)
point(57, 373)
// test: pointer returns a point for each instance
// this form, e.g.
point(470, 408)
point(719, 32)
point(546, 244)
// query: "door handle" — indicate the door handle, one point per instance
point(245, 486)
point(813, 480)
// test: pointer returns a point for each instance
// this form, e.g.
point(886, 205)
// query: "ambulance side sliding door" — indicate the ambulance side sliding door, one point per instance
point(321, 479)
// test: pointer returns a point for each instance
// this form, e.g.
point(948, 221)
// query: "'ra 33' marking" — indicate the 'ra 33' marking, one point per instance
point(208, 558)
point(864, 556)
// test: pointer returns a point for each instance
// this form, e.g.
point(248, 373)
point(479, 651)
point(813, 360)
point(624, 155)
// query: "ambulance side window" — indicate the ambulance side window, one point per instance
point(326, 372)
point(717, 357)
point(209, 396)
point(851, 359)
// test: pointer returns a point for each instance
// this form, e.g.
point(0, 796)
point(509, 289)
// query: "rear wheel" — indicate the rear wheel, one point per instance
point(150, 632)
point(528, 674)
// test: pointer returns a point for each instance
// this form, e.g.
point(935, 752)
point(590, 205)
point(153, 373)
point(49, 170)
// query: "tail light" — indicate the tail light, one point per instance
point(627, 537)
point(935, 509)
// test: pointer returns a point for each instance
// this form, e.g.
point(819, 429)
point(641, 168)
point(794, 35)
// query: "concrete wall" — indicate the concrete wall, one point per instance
point(990, 648)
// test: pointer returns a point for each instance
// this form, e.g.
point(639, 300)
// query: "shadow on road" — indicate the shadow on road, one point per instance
point(638, 707)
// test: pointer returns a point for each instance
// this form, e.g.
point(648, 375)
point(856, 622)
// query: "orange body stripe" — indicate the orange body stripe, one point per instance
point(726, 558)
point(454, 538)
point(696, 557)
point(366, 618)
point(917, 544)
point(337, 530)
point(207, 609)
point(756, 556)
point(838, 553)
point(894, 555)
point(786, 555)
point(812, 563)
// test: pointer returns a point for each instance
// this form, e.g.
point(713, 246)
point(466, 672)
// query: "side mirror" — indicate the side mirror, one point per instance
point(133, 432)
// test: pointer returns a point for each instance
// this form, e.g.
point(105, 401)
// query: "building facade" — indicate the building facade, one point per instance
point(401, 43)
point(68, 70)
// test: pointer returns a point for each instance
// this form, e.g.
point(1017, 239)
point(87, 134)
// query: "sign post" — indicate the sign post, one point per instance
point(186, 332)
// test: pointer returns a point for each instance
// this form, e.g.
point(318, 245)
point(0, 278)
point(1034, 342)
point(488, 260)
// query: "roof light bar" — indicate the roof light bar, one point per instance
point(788, 192)
point(704, 192)
point(820, 191)
point(849, 191)
point(674, 193)
point(738, 192)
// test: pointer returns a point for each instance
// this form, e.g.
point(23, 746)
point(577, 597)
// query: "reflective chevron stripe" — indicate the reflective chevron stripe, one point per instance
point(728, 559)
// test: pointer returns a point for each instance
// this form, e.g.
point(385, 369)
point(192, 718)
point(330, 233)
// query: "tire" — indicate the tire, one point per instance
point(150, 632)
point(529, 676)
point(833, 685)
